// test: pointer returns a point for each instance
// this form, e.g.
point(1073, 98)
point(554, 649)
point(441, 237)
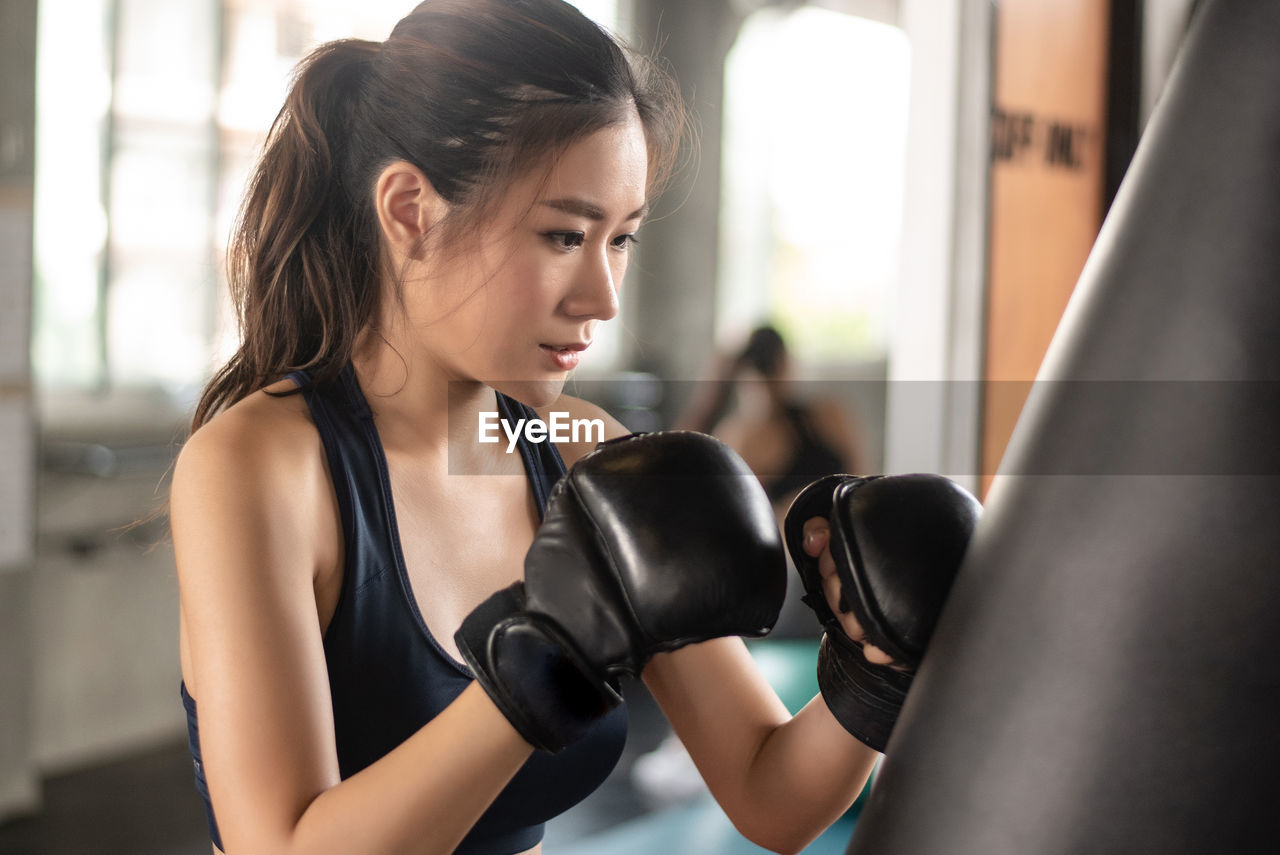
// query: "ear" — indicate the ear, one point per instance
point(408, 207)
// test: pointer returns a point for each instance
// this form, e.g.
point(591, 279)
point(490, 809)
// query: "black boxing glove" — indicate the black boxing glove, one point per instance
point(651, 542)
point(897, 542)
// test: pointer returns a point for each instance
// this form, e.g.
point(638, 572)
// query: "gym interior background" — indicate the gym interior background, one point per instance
point(907, 188)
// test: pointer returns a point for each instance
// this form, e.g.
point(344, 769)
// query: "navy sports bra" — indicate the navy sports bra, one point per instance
point(387, 675)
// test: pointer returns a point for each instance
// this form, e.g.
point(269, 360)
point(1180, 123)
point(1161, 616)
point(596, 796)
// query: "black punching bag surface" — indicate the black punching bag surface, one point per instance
point(1105, 677)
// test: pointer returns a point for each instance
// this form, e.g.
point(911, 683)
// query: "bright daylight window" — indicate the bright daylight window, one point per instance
point(150, 115)
point(815, 144)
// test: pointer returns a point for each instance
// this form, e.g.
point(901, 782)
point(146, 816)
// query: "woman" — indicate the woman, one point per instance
point(454, 205)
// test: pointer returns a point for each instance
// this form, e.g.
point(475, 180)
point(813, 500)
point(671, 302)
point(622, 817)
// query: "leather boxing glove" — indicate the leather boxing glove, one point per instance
point(651, 542)
point(897, 542)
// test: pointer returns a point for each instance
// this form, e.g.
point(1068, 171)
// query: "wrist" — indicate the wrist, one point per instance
point(531, 673)
point(866, 699)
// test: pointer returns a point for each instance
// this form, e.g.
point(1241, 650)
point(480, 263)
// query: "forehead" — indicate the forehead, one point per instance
point(608, 169)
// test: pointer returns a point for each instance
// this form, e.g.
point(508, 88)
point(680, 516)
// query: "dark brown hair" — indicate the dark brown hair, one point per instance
point(472, 92)
point(764, 351)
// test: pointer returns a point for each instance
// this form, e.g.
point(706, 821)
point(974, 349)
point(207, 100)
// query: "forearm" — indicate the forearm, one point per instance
point(780, 779)
point(422, 797)
point(806, 773)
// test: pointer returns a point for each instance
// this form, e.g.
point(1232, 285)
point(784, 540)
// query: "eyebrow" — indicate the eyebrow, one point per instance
point(583, 208)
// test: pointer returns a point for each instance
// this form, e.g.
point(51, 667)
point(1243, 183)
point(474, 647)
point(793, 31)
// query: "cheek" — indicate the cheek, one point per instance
point(620, 268)
point(529, 286)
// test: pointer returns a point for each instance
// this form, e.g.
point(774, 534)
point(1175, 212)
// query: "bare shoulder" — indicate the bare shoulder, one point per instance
point(838, 426)
point(829, 409)
point(255, 474)
point(595, 424)
point(260, 438)
point(828, 414)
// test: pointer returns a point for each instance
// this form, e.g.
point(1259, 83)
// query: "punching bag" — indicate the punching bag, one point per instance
point(1105, 677)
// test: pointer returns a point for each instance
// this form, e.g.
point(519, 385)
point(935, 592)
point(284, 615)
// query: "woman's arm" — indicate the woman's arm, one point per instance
point(253, 525)
point(781, 780)
point(709, 399)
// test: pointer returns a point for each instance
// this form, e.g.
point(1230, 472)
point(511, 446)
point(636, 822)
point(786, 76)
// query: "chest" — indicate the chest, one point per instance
point(461, 538)
point(462, 544)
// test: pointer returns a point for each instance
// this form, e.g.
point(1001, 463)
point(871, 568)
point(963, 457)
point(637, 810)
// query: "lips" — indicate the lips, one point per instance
point(565, 357)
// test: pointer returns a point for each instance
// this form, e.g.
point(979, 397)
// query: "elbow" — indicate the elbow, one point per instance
point(775, 843)
point(775, 837)
point(777, 823)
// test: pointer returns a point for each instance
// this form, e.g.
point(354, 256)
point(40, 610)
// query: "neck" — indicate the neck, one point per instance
point(418, 409)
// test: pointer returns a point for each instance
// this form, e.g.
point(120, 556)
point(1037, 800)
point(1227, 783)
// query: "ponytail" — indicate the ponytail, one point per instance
point(302, 265)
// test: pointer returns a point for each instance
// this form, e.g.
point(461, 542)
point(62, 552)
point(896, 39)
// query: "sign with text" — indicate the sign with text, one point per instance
point(1047, 170)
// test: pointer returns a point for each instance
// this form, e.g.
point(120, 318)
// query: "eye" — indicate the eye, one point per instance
point(565, 240)
point(625, 242)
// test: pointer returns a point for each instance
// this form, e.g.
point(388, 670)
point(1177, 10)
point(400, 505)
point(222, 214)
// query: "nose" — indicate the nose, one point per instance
point(595, 287)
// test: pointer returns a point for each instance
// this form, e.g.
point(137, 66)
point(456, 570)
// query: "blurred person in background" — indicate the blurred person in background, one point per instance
point(752, 404)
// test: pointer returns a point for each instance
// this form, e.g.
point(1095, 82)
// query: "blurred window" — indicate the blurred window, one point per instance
point(813, 171)
point(150, 114)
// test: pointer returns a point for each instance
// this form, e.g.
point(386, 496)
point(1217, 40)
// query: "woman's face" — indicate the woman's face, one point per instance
point(516, 310)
